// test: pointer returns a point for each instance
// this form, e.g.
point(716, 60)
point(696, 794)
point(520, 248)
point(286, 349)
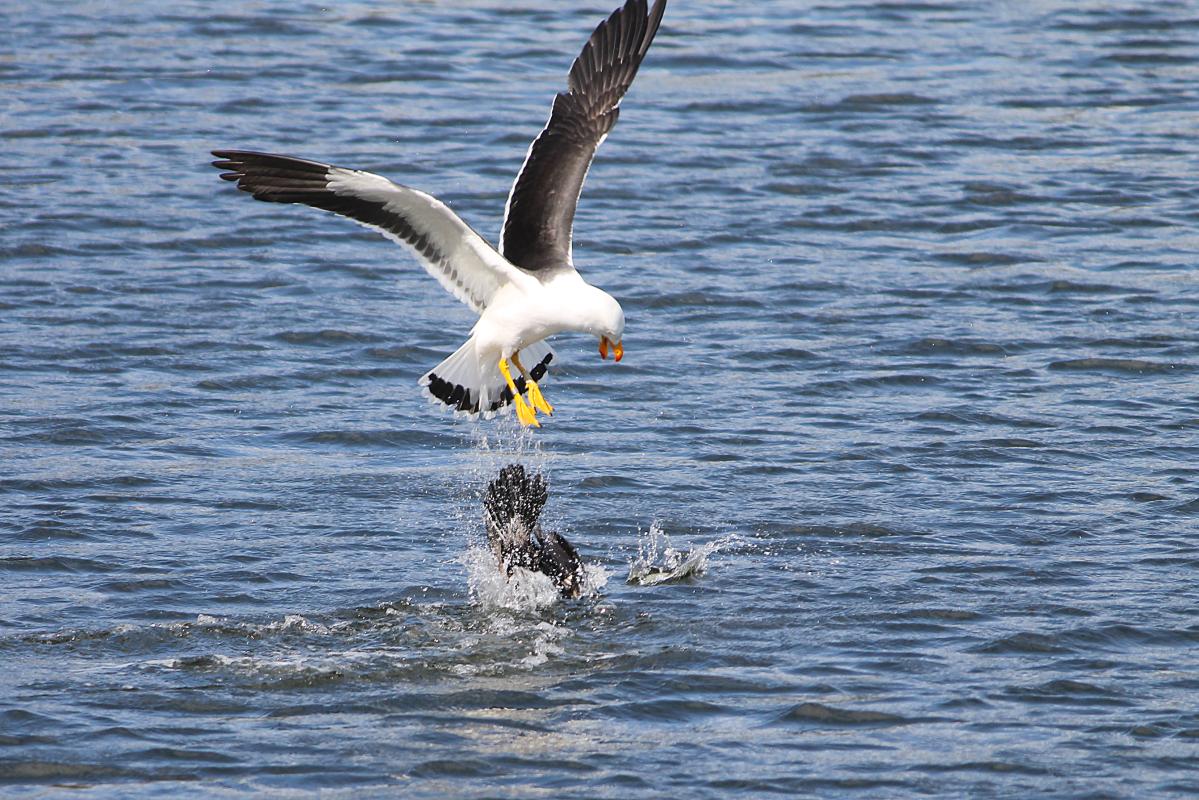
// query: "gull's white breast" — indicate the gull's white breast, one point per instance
point(520, 315)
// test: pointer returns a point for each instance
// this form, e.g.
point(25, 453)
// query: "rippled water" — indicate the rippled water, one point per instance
point(912, 352)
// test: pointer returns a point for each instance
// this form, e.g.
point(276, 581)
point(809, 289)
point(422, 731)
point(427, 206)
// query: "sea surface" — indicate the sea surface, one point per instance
point(909, 408)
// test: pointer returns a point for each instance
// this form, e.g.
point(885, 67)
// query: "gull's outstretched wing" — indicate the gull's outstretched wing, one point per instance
point(541, 206)
point(460, 259)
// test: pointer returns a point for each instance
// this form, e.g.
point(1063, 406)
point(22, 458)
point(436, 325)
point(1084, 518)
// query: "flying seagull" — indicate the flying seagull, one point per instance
point(529, 288)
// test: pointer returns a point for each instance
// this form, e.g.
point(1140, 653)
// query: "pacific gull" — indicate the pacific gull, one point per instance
point(526, 290)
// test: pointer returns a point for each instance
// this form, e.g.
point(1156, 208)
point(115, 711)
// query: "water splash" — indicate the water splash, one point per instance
point(492, 449)
point(523, 590)
point(595, 578)
point(659, 562)
point(495, 446)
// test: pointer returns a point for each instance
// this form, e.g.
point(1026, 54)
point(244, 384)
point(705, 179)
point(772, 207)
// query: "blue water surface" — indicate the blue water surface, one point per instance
point(912, 351)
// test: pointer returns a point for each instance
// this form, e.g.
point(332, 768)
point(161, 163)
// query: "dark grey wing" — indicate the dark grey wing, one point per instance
point(559, 560)
point(515, 495)
point(541, 206)
point(511, 505)
point(449, 249)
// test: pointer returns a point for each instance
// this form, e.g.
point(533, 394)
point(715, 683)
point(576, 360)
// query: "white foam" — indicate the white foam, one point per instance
point(523, 590)
point(658, 561)
point(595, 578)
point(545, 644)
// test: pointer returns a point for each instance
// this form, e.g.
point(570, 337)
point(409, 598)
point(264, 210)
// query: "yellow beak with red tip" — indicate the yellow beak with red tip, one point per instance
point(617, 349)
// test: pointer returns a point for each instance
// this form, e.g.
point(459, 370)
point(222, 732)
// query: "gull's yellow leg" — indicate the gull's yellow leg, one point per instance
point(535, 397)
point(525, 414)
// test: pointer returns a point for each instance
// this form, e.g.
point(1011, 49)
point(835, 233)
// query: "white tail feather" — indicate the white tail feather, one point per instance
point(467, 385)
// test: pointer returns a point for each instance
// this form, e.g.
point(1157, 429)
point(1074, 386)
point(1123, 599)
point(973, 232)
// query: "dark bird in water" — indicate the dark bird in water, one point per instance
point(511, 506)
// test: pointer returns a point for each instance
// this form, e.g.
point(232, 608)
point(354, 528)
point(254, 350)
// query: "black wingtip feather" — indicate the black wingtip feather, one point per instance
point(539, 222)
point(655, 19)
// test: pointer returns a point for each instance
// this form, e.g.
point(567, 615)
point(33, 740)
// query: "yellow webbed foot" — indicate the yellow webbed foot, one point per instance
point(525, 414)
point(537, 398)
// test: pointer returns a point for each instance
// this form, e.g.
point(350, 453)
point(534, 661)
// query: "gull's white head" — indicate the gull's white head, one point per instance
point(603, 317)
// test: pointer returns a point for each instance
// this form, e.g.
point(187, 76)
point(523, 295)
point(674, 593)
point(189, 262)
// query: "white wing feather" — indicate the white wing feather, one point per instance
point(461, 260)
